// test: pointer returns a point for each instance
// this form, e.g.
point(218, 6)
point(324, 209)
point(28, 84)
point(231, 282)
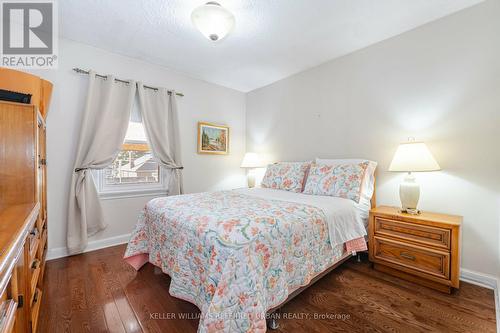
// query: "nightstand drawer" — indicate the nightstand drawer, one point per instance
point(434, 262)
point(422, 234)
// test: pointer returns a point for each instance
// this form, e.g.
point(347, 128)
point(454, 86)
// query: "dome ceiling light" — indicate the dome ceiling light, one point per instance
point(214, 21)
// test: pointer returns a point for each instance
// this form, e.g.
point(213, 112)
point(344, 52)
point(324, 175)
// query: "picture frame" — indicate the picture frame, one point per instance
point(213, 139)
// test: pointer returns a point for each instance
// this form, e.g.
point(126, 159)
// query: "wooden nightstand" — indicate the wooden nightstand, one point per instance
point(422, 248)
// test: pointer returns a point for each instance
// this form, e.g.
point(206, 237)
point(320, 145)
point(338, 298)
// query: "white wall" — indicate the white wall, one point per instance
point(439, 83)
point(202, 102)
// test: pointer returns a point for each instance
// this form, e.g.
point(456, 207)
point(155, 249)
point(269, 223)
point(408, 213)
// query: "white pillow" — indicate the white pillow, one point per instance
point(368, 182)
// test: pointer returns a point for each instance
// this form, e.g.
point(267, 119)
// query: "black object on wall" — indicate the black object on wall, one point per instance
point(11, 96)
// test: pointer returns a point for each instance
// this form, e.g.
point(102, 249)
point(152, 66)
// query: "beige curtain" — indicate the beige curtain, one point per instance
point(160, 119)
point(104, 125)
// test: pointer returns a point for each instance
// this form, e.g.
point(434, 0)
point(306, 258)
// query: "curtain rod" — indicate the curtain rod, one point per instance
point(82, 71)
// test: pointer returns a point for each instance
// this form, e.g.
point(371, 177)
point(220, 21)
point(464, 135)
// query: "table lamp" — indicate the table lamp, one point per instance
point(412, 157)
point(250, 162)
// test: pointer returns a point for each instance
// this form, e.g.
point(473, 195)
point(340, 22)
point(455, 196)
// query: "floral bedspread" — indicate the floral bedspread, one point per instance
point(233, 255)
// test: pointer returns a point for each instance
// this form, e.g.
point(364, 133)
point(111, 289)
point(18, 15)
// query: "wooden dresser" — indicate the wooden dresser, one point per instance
point(23, 215)
point(422, 248)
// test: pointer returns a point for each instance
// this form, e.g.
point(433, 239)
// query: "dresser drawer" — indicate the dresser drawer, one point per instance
point(7, 315)
point(8, 306)
point(43, 244)
point(422, 234)
point(35, 309)
point(33, 243)
point(433, 262)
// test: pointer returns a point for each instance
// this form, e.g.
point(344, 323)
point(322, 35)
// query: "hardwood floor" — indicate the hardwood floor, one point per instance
point(99, 292)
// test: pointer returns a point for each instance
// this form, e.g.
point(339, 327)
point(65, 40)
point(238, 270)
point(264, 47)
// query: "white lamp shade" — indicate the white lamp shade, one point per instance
point(213, 21)
point(413, 156)
point(252, 160)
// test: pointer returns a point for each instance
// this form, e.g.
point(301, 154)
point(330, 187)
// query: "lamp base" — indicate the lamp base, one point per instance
point(251, 179)
point(410, 211)
point(409, 193)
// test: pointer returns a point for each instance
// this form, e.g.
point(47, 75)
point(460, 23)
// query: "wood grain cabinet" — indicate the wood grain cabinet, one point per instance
point(23, 216)
point(422, 248)
point(39, 89)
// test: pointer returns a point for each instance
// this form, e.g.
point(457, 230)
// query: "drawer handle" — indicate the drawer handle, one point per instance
point(35, 264)
point(407, 256)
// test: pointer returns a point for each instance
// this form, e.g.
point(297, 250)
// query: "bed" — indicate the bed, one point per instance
point(239, 255)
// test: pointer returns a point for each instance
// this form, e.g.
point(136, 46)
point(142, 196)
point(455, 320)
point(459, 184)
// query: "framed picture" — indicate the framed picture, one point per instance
point(213, 139)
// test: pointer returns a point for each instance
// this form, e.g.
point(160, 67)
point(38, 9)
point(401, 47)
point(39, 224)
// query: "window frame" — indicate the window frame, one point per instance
point(117, 191)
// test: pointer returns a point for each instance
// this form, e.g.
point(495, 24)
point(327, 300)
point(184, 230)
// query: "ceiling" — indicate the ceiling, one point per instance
point(271, 40)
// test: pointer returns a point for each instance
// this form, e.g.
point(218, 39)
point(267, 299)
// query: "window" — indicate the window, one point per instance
point(134, 172)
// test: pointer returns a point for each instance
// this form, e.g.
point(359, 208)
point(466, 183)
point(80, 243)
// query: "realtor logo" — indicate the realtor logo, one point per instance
point(29, 34)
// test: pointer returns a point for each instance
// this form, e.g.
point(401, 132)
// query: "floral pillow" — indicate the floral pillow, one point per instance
point(342, 180)
point(288, 176)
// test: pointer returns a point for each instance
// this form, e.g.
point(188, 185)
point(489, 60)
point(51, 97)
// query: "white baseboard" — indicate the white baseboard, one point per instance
point(497, 307)
point(487, 281)
point(480, 279)
point(61, 252)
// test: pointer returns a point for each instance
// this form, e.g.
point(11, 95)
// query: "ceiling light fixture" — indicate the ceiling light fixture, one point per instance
point(214, 21)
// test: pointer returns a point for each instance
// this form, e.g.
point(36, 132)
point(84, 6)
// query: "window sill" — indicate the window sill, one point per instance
point(132, 194)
